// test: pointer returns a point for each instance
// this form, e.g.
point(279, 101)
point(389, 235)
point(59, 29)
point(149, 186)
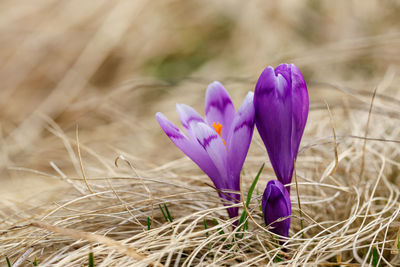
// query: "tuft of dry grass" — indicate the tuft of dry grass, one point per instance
point(86, 169)
point(346, 217)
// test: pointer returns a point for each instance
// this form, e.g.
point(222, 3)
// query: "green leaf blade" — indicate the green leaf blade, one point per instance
point(243, 217)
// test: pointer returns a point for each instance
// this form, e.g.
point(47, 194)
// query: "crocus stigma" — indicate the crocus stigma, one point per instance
point(281, 107)
point(219, 143)
point(276, 206)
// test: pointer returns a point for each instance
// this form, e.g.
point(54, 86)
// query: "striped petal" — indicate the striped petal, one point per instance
point(191, 148)
point(240, 139)
point(188, 117)
point(213, 145)
point(219, 108)
point(216, 149)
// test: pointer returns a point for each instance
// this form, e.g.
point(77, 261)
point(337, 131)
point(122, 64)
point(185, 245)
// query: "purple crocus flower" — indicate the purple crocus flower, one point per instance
point(219, 143)
point(281, 106)
point(276, 205)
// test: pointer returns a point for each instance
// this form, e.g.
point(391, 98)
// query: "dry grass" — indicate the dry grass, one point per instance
point(108, 66)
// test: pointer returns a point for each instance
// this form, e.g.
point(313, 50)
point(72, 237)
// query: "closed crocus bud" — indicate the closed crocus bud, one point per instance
point(281, 108)
point(276, 205)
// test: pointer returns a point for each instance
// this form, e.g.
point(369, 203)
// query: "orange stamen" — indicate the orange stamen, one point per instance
point(218, 128)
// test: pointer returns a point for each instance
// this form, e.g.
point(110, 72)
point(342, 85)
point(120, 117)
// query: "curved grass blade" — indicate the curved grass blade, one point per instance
point(168, 214)
point(163, 213)
point(243, 217)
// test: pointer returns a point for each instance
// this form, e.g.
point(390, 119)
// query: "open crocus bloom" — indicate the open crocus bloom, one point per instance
point(281, 106)
point(276, 206)
point(219, 143)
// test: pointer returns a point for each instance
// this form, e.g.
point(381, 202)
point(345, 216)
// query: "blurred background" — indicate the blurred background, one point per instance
point(109, 66)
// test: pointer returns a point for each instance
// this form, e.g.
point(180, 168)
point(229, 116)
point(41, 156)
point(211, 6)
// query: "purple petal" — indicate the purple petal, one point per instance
point(191, 149)
point(213, 145)
point(274, 121)
point(276, 204)
point(281, 106)
point(239, 140)
point(219, 108)
point(188, 117)
point(300, 106)
point(233, 212)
